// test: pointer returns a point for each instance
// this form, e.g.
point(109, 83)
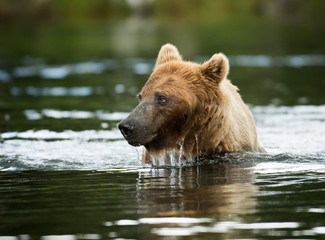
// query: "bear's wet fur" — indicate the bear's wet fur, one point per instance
point(188, 110)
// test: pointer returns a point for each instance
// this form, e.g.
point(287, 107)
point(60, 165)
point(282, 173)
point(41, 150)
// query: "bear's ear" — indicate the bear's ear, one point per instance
point(216, 69)
point(167, 53)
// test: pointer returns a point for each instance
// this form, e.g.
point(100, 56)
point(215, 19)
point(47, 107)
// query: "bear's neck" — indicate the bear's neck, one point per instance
point(219, 127)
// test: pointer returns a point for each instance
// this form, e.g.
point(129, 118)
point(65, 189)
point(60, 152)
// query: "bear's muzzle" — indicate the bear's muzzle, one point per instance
point(138, 128)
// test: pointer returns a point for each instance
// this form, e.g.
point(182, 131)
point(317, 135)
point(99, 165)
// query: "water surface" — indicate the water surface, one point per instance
point(91, 185)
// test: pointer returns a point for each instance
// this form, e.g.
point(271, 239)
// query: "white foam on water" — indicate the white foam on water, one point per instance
point(67, 134)
point(294, 138)
point(51, 113)
point(175, 220)
point(319, 230)
point(223, 227)
point(295, 130)
point(267, 225)
point(179, 221)
point(186, 226)
point(278, 167)
point(74, 151)
point(316, 210)
point(32, 114)
point(176, 231)
point(114, 116)
point(126, 222)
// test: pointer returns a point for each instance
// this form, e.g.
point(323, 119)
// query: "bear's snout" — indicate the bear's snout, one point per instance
point(134, 132)
point(126, 128)
point(138, 128)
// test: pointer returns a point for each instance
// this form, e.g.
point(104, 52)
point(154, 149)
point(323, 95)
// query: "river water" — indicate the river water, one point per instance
point(67, 173)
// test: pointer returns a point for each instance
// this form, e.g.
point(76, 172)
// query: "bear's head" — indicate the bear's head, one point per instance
point(175, 102)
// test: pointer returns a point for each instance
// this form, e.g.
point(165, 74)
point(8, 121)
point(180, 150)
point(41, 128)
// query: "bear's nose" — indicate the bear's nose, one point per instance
point(126, 129)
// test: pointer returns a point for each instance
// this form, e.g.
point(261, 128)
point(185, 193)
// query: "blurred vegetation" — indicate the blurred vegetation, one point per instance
point(68, 30)
point(27, 12)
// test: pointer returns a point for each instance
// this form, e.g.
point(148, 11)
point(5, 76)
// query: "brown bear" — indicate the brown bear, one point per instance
point(188, 110)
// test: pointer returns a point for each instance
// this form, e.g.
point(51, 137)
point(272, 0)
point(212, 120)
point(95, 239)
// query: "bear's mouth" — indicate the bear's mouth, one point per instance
point(135, 144)
point(142, 142)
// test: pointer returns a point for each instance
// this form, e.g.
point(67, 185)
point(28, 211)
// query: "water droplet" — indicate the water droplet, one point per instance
point(138, 155)
point(181, 143)
point(197, 146)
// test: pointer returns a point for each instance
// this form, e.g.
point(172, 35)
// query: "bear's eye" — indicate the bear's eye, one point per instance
point(139, 97)
point(162, 100)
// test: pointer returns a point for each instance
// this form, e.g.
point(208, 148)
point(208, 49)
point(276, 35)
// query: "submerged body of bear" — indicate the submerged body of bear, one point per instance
point(188, 110)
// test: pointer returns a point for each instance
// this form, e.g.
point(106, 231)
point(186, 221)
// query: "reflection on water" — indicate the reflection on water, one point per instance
point(228, 187)
point(57, 91)
point(61, 72)
point(194, 201)
point(223, 201)
point(145, 66)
